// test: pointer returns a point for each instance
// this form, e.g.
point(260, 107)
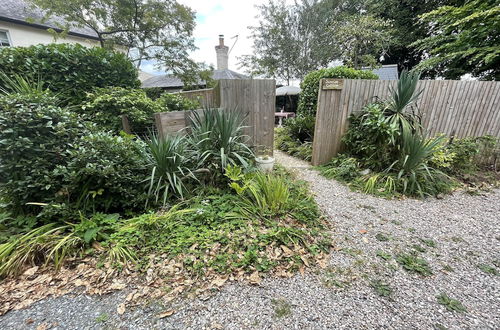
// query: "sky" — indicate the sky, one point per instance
point(213, 17)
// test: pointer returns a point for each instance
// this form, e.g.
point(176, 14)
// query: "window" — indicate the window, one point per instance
point(4, 39)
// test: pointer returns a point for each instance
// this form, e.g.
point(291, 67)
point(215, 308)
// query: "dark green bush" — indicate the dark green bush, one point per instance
point(34, 137)
point(154, 92)
point(104, 173)
point(70, 70)
point(310, 85)
point(371, 137)
point(177, 102)
point(105, 106)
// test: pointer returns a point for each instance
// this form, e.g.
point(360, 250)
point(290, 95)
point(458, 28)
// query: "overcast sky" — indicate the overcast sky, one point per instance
point(227, 17)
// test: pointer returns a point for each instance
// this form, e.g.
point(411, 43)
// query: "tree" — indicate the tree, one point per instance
point(149, 30)
point(292, 40)
point(407, 28)
point(362, 39)
point(463, 40)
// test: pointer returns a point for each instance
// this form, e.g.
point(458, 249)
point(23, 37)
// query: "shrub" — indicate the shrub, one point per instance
point(154, 92)
point(310, 84)
point(70, 69)
point(168, 160)
point(285, 142)
point(177, 102)
point(34, 137)
point(371, 137)
point(104, 173)
point(218, 138)
point(105, 106)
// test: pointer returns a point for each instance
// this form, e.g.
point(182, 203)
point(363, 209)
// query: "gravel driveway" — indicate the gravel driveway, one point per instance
point(364, 286)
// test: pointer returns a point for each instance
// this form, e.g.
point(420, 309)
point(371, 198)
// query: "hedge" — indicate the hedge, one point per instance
point(310, 84)
point(70, 70)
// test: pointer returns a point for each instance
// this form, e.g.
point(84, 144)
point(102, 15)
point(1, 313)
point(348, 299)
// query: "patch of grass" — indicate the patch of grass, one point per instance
point(399, 223)
point(281, 308)
point(383, 255)
point(488, 269)
point(367, 207)
point(381, 288)
point(451, 304)
point(419, 248)
point(103, 317)
point(352, 252)
point(429, 242)
point(412, 230)
point(414, 264)
point(381, 237)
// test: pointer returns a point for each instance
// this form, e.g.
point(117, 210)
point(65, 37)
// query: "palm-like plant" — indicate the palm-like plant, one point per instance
point(403, 96)
point(20, 84)
point(217, 135)
point(413, 172)
point(168, 158)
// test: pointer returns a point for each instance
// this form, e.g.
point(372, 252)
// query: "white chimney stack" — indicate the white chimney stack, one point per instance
point(222, 54)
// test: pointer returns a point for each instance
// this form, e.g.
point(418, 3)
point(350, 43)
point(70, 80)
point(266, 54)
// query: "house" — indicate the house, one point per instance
point(174, 84)
point(22, 25)
point(385, 72)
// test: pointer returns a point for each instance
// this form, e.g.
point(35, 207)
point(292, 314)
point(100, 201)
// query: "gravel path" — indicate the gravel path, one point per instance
point(458, 233)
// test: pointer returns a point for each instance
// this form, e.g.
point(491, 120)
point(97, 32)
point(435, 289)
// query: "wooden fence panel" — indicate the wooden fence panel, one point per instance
point(253, 98)
point(459, 108)
point(208, 97)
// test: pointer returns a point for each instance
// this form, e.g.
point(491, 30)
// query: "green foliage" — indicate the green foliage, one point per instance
point(168, 159)
point(362, 39)
point(97, 228)
point(460, 42)
point(414, 264)
point(105, 106)
point(218, 138)
point(177, 102)
point(342, 168)
point(20, 84)
point(154, 92)
point(284, 141)
point(48, 243)
point(70, 70)
point(371, 137)
point(104, 173)
point(451, 304)
point(34, 137)
point(381, 288)
point(265, 194)
point(310, 85)
point(488, 269)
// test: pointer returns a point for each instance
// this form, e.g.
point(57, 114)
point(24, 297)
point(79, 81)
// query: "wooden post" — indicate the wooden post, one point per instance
point(126, 125)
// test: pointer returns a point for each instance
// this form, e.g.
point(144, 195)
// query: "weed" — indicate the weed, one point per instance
point(382, 237)
point(103, 317)
point(381, 288)
point(281, 308)
point(396, 222)
point(451, 304)
point(412, 230)
point(384, 255)
point(488, 269)
point(429, 242)
point(419, 248)
point(414, 264)
point(448, 268)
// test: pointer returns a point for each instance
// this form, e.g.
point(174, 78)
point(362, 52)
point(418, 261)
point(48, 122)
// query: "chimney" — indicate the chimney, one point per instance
point(222, 54)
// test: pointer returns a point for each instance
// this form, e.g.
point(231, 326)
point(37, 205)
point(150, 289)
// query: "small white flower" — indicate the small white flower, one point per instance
point(200, 211)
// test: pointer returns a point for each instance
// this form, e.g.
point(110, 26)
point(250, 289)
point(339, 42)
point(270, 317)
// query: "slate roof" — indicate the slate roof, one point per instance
point(18, 11)
point(168, 81)
point(386, 72)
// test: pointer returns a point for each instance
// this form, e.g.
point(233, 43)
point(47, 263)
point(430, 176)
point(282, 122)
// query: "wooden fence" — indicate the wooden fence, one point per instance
point(459, 108)
point(253, 98)
point(208, 97)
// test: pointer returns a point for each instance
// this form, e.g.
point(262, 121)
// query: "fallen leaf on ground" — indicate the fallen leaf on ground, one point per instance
point(43, 326)
point(255, 278)
point(121, 309)
point(165, 314)
point(31, 271)
point(363, 231)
